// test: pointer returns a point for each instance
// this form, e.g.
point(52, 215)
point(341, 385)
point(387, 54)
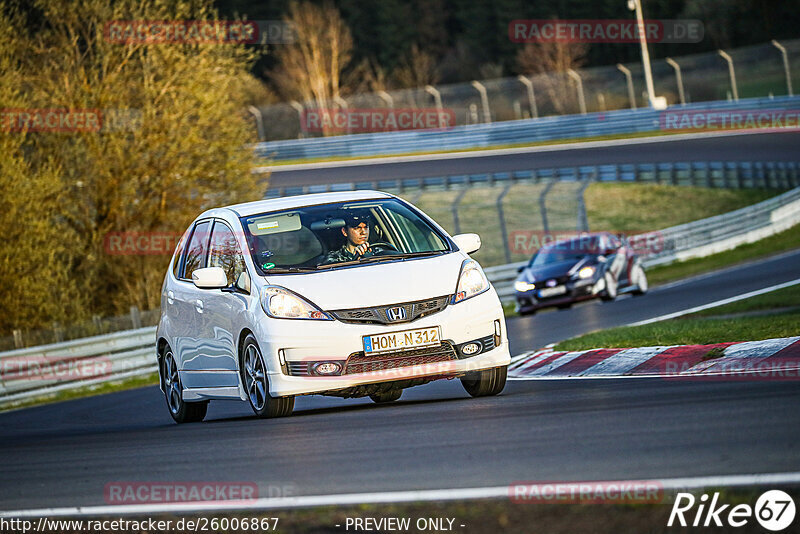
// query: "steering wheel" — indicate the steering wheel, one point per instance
point(382, 246)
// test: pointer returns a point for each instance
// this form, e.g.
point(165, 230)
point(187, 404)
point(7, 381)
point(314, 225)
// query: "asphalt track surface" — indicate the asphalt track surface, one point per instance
point(778, 146)
point(435, 437)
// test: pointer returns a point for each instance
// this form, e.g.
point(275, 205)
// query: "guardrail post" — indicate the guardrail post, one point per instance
point(136, 318)
point(98, 324)
point(298, 107)
point(18, 343)
point(454, 210)
point(501, 218)
point(543, 205)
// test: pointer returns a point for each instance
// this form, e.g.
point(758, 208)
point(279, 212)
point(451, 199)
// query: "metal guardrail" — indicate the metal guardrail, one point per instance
point(695, 239)
point(627, 121)
point(38, 371)
point(49, 369)
point(727, 174)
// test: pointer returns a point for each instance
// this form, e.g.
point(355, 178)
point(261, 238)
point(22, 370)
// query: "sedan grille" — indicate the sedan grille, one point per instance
point(389, 314)
point(360, 363)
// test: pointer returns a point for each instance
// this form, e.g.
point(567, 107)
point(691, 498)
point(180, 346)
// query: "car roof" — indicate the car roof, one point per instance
point(584, 237)
point(275, 204)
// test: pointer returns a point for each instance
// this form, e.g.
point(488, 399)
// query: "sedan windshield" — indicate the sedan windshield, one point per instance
point(320, 237)
point(550, 257)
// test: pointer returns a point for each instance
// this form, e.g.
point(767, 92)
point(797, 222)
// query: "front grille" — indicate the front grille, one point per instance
point(378, 314)
point(360, 363)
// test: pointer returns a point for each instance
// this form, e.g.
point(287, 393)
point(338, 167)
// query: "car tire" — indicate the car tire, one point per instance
point(640, 278)
point(485, 383)
point(256, 383)
point(610, 292)
point(180, 410)
point(386, 396)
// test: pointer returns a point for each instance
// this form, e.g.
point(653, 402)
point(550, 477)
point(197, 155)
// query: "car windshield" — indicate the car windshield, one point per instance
point(553, 256)
point(320, 237)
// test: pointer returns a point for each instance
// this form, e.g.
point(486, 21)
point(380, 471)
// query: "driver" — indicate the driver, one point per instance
point(356, 230)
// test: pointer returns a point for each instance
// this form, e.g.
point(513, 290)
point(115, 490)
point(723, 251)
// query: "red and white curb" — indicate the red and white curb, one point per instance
point(769, 359)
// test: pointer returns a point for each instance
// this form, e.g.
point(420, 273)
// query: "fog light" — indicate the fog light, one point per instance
point(282, 357)
point(326, 368)
point(470, 348)
point(497, 332)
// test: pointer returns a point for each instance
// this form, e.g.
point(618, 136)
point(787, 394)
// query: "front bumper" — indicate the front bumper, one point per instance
point(306, 341)
point(577, 291)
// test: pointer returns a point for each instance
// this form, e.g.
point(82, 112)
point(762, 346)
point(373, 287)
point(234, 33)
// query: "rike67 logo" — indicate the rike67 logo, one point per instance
point(774, 511)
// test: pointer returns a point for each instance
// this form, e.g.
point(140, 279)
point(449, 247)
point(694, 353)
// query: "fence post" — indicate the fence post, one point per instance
point(629, 82)
point(501, 218)
point(786, 70)
point(487, 114)
point(679, 79)
point(583, 218)
point(18, 339)
point(136, 318)
point(531, 97)
point(581, 97)
point(543, 205)
point(454, 210)
point(58, 333)
point(731, 72)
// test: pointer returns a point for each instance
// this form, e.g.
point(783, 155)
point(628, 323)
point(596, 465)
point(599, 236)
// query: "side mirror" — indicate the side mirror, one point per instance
point(602, 259)
point(210, 278)
point(520, 269)
point(469, 243)
point(243, 282)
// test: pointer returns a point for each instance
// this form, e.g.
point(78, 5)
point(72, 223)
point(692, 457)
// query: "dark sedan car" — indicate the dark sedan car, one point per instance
point(593, 265)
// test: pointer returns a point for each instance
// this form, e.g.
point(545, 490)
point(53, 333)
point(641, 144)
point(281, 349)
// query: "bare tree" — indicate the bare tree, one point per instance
point(417, 69)
point(553, 60)
point(311, 69)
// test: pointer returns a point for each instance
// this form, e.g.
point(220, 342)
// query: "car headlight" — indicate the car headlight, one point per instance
point(586, 272)
point(471, 281)
point(522, 286)
point(280, 303)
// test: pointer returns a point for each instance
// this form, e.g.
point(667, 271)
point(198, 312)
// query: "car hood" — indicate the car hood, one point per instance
point(376, 284)
point(555, 270)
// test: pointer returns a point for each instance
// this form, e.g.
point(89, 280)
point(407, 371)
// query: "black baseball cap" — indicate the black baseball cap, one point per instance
point(353, 219)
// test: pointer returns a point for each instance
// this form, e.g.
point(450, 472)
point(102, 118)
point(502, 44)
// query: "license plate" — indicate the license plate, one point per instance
point(403, 340)
point(552, 291)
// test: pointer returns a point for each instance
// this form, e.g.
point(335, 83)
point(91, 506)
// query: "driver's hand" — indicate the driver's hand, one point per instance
point(362, 249)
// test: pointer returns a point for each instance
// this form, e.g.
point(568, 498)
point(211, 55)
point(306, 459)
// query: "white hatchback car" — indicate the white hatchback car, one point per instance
point(346, 294)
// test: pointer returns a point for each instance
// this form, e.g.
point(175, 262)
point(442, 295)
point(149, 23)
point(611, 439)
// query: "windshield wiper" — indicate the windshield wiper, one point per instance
point(284, 270)
point(372, 259)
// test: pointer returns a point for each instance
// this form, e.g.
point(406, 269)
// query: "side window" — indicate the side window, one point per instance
point(176, 267)
point(224, 252)
point(197, 249)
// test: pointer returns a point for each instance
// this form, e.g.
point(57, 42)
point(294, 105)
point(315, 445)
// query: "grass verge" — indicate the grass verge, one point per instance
point(782, 242)
point(713, 325)
point(87, 391)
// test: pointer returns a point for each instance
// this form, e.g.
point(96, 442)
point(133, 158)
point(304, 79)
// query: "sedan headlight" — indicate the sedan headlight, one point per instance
point(586, 272)
point(280, 303)
point(523, 286)
point(471, 281)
